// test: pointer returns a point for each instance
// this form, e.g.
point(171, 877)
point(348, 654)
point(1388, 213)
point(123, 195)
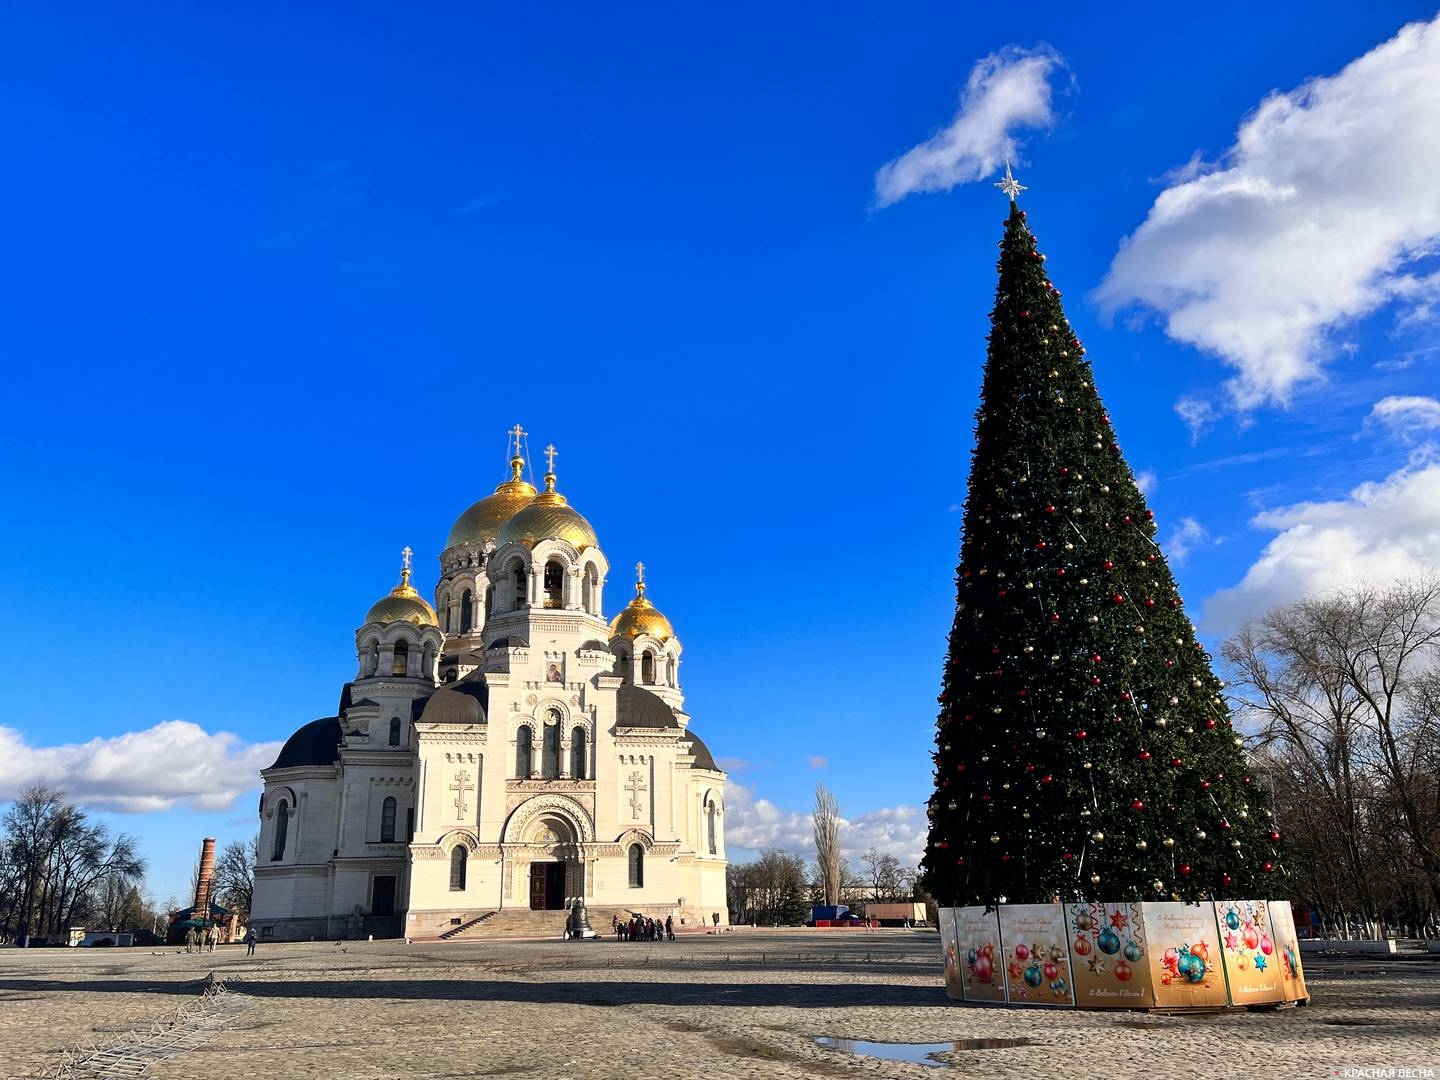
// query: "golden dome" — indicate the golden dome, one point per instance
point(640, 616)
point(548, 517)
point(403, 604)
point(483, 520)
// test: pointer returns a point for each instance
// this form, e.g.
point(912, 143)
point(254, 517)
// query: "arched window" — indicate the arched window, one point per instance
point(282, 827)
point(457, 867)
point(521, 592)
point(445, 606)
point(402, 659)
point(395, 731)
point(647, 668)
point(387, 820)
point(373, 668)
point(577, 753)
point(587, 590)
point(710, 824)
point(489, 601)
point(467, 614)
point(670, 672)
point(524, 750)
point(637, 866)
point(550, 752)
point(622, 665)
point(554, 584)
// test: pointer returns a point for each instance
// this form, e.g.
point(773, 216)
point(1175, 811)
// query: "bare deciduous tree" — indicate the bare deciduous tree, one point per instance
point(827, 843)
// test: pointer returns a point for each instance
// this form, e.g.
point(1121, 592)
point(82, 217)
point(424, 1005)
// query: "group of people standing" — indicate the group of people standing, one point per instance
point(202, 940)
point(643, 928)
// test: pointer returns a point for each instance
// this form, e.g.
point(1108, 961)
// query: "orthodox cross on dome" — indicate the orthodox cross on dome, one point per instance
point(1010, 186)
point(517, 433)
point(635, 787)
point(460, 787)
point(405, 554)
point(550, 453)
point(639, 579)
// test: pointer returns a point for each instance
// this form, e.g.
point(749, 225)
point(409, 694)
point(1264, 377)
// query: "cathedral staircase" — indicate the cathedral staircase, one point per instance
point(459, 930)
point(521, 922)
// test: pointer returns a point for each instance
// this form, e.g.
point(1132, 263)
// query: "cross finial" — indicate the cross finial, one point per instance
point(405, 554)
point(550, 453)
point(639, 579)
point(517, 433)
point(1010, 186)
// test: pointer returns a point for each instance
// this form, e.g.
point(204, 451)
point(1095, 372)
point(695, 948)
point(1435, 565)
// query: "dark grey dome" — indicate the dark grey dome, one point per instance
point(703, 758)
point(462, 702)
point(637, 707)
point(317, 743)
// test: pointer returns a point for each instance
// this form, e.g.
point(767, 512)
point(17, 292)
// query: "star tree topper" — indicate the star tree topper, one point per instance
point(1010, 186)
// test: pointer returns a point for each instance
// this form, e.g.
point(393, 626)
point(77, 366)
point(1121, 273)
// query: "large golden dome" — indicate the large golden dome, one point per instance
point(403, 604)
point(548, 517)
point(484, 519)
point(641, 617)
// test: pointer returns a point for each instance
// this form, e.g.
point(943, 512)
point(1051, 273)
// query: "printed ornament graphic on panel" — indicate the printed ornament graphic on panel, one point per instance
point(1251, 966)
point(1110, 949)
point(982, 962)
point(1184, 956)
point(1037, 964)
point(1287, 950)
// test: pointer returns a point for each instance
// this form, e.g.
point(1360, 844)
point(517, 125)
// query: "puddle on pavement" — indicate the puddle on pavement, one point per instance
point(915, 1053)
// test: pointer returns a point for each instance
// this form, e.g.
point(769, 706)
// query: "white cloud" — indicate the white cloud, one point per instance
point(1006, 91)
point(140, 771)
point(819, 761)
point(1147, 481)
point(1198, 415)
point(1188, 535)
point(1312, 219)
point(1406, 415)
point(1380, 531)
point(757, 823)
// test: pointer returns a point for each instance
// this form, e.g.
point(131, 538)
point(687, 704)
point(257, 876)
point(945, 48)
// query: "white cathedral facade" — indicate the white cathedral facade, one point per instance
point(508, 750)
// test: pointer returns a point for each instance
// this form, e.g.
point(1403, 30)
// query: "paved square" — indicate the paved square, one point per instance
point(745, 1004)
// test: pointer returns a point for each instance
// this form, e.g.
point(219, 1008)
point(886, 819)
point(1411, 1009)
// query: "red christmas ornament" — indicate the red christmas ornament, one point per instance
point(1040, 546)
point(1124, 697)
point(999, 592)
point(1209, 722)
point(1095, 658)
point(1274, 836)
point(1137, 805)
point(1226, 879)
point(1046, 778)
point(1064, 470)
point(1126, 519)
point(1149, 515)
point(1060, 572)
point(1107, 565)
point(1068, 857)
point(1049, 508)
point(1225, 825)
point(1094, 680)
point(1175, 761)
point(960, 861)
point(1204, 785)
point(1119, 598)
point(1184, 869)
point(1150, 601)
point(1005, 857)
point(961, 767)
point(986, 797)
point(1144, 755)
point(1055, 617)
point(942, 844)
point(1081, 733)
point(1267, 866)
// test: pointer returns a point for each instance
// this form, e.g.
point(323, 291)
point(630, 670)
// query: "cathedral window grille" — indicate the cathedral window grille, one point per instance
point(524, 748)
point(387, 820)
point(647, 668)
point(402, 659)
point(637, 866)
point(395, 731)
point(282, 827)
point(457, 868)
point(520, 590)
point(710, 825)
point(550, 752)
point(554, 585)
point(577, 753)
point(467, 616)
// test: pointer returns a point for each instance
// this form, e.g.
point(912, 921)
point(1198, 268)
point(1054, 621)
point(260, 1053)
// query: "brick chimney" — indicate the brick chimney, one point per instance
point(202, 881)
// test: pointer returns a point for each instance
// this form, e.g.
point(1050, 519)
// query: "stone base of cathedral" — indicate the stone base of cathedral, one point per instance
point(1171, 957)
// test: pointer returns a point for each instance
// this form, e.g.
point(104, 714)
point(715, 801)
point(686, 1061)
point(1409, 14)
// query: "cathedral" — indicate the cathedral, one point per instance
point(497, 755)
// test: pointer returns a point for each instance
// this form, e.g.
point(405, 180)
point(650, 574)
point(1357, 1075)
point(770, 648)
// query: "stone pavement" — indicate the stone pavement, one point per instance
point(747, 1004)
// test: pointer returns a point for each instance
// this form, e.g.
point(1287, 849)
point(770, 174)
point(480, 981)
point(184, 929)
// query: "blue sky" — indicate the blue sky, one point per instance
point(279, 280)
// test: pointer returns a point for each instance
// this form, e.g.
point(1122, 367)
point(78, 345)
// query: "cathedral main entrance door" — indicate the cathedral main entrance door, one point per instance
point(547, 886)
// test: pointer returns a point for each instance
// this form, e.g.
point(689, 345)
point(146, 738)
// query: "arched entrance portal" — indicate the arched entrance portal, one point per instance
point(556, 872)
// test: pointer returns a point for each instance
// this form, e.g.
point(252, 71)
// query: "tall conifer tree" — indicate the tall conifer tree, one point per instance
point(1084, 749)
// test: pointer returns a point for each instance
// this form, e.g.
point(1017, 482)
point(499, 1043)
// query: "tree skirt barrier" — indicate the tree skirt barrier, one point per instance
point(1168, 956)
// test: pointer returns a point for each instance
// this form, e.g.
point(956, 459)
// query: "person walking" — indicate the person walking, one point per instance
point(250, 942)
point(190, 939)
point(669, 927)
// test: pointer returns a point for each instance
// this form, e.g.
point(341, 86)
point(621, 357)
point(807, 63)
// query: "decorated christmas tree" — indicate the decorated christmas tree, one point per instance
point(1084, 748)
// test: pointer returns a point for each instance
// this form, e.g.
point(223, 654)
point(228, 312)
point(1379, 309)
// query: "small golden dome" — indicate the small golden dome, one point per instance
point(403, 604)
point(640, 616)
point(548, 517)
point(484, 519)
